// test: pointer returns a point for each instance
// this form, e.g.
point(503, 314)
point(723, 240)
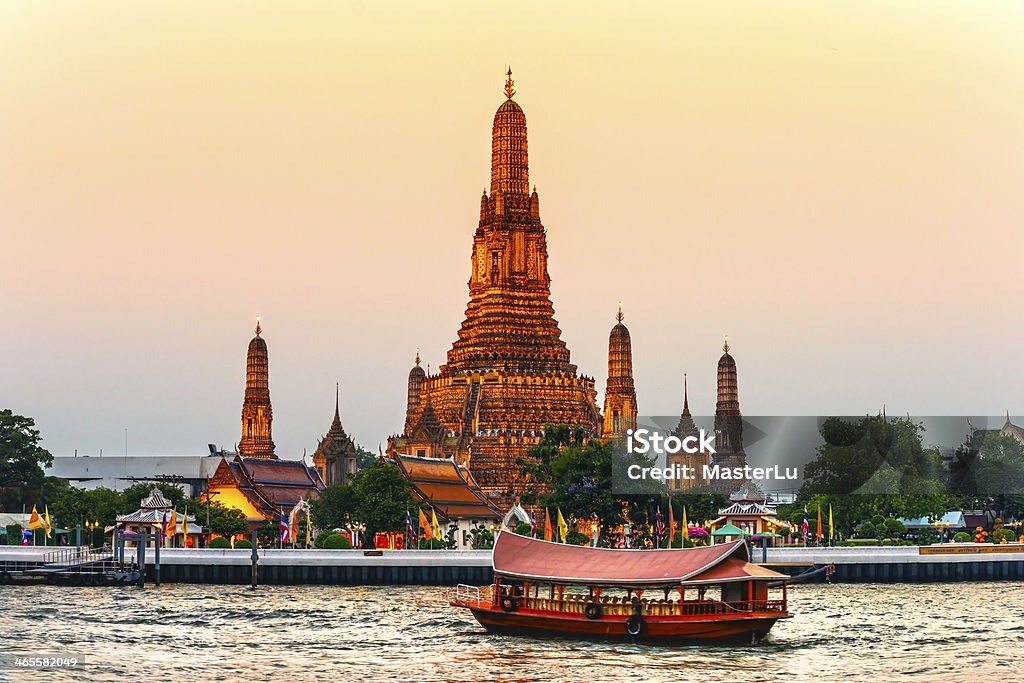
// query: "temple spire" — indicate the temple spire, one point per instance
point(337, 400)
point(686, 397)
point(417, 356)
point(510, 85)
point(257, 413)
point(618, 316)
point(725, 346)
point(258, 328)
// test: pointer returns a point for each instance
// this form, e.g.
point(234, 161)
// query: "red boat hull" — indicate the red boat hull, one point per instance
point(747, 628)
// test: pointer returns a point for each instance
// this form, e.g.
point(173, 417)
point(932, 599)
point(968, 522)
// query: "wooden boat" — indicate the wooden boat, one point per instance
point(710, 593)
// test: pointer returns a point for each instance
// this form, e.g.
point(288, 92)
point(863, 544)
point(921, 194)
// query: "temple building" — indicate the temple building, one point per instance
point(255, 480)
point(728, 420)
point(693, 462)
point(508, 373)
point(257, 415)
point(619, 395)
point(749, 511)
point(451, 491)
point(336, 456)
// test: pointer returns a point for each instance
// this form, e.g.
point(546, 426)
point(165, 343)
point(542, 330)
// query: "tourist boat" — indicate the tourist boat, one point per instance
point(709, 593)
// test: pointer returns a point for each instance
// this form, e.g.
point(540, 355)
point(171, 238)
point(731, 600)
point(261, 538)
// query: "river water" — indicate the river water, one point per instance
point(968, 631)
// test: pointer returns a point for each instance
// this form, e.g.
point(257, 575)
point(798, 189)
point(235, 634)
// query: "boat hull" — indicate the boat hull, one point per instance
point(743, 629)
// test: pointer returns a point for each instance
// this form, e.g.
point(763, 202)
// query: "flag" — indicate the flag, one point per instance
point(428, 533)
point(819, 534)
point(671, 524)
point(563, 528)
point(686, 525)
point(163, 527)
point(232, 542)
point(184, 526)
point(292, 518)
point(309, 525)
point(46, 521)
point(548, 531)
point(533, 526)
point(34, 522)
point(659, 525)
point(172, 531)
point(831, 529)
point(25, 534)
point(434, 524)
point(805, 529)
point(283, 526)
point(409, 528)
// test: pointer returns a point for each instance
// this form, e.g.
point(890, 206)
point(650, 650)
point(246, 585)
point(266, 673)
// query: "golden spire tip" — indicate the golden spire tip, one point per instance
point(725, 346)
point(510, 85)
point(618, 316)
point(258, 328)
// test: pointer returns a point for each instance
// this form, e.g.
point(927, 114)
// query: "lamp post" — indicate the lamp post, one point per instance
point(254, 524)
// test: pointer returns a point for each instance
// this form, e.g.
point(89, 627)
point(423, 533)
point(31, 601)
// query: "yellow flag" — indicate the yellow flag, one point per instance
point(309, 526)
point(563, 528)
point(686, 526)
point(830, 528)
point(34, 522)
point(184, 523)
point(434, 524)
point(46, 522)
point(232, 542)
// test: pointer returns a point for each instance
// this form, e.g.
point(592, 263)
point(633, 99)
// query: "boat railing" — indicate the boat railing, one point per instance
point(471, 595)
point(576, 604)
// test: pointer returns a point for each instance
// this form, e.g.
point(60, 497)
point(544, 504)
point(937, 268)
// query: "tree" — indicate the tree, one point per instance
point(224, 521)
point(364, 458)
point(333, 507)
point(381, 496)
point(22, 460)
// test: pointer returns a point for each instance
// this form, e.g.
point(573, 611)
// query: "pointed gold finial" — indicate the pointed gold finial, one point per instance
point(619, 316)
point(258, 328)
point(417, 356)
point(510, 85)
point(725, 346)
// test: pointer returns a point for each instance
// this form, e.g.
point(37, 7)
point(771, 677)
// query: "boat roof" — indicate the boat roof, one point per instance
point(531, 559)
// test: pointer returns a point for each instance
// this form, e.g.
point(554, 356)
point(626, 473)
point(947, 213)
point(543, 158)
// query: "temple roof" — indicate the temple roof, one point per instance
point(270, 485)
point(448, 487)
point(155, 501)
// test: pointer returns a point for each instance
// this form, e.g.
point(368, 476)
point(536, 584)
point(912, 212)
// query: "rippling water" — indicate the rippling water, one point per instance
point(294, 633)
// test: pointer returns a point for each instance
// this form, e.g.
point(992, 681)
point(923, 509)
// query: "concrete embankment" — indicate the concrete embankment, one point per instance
point(965, 562)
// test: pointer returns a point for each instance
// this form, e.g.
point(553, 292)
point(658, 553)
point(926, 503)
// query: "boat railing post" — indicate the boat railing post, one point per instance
point(140, 550)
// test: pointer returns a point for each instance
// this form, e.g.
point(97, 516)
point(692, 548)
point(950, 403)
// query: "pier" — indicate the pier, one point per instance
point(909, 564)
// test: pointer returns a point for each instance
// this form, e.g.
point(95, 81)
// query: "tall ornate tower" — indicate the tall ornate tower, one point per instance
point(508, 372)
point(257, 415)
point(694, 461)
point(619, 394)
point(412, 406)
point(728, 421)
point(336, 455)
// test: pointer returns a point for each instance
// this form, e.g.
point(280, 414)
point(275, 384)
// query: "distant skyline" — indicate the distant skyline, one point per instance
point(834, 185)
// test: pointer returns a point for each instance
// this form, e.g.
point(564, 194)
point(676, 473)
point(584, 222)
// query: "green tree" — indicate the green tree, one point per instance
point(223, 521)
point(132, 497)
point(334, 506)
point(381, 497)
point(22, 460)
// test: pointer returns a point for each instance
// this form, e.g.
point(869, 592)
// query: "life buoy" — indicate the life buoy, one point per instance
point(635, 625)
point(593, 610)
point(507, 604)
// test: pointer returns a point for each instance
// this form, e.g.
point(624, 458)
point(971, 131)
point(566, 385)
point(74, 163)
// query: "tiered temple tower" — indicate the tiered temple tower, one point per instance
point(728, 420)
point(694, 461)
point(412, 406)
point(508, 373)
point(336, 455)
point(619, 395)
point(257, 414)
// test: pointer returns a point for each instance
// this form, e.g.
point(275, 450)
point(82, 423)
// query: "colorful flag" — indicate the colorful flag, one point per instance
point(163, 527)
point(46, 521)
point(548, 531)
point(533, 526)
point(563, 528)
point(686, 525)
point(819, 534)
point(283, 526)
point(659, 526)
point(428, 533)
point(25, 534)
point(309, 525)
point(434, 524)
point(232, 542)
point(831, 529)
point(805, 529)
point(184, 526)
point(671, 524)
point(35, 522)
point(409, 527)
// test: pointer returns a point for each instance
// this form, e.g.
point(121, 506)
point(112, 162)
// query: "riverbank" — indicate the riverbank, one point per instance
point(937, 563)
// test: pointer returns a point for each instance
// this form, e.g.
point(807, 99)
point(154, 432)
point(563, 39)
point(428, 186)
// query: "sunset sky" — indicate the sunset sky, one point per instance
point(836, 185)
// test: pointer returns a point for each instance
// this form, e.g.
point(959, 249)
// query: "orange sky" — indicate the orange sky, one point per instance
point(835, 185)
